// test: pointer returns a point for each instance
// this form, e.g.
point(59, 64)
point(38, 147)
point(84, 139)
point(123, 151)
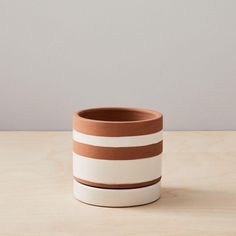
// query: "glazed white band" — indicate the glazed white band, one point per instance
point(117, 171)
point(126, 141)
point(114, 197)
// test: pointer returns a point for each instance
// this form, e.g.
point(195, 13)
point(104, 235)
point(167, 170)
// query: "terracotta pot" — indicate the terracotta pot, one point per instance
point(117, 156)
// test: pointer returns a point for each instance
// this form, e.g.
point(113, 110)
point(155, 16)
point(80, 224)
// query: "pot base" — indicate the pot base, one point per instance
point(116, 197)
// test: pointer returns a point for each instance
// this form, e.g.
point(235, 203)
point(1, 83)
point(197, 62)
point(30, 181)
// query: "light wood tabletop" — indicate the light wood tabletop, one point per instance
point(198, 189)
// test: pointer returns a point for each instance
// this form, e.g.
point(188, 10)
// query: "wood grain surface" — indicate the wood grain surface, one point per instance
point(198, 189)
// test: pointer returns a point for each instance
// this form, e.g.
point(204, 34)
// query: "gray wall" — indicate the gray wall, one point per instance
point(60, 56)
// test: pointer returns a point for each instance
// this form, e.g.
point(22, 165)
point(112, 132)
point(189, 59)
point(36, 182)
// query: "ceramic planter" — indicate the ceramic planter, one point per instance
point(117, 156)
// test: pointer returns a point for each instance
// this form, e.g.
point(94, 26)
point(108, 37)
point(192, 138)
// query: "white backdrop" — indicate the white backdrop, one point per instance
point(178, 57)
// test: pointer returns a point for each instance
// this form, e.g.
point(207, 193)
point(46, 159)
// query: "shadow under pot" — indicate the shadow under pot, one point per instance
point(117, 156)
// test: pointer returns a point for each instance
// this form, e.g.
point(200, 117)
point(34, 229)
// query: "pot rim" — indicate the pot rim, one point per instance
point(155, 115)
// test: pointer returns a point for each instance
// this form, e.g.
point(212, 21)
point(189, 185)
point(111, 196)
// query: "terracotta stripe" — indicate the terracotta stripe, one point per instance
point(122, 128)
point(118, 186)
point(117, 153)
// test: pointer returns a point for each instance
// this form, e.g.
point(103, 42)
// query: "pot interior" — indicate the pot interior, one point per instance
point(117, 114)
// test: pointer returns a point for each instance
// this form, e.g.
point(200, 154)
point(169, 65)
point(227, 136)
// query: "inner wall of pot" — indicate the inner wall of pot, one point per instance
point(116, 114)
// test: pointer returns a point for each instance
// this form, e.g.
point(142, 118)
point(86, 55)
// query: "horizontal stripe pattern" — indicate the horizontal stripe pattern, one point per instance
point(117, 153)
point(115, 172)
point(126, 141)
point(117, 148)
point(116, 197)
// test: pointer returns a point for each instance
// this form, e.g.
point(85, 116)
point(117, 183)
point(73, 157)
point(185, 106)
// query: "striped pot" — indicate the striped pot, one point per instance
point(117, 156)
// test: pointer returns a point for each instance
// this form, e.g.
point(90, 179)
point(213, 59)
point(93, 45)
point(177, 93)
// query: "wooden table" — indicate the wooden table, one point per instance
point(198, 189)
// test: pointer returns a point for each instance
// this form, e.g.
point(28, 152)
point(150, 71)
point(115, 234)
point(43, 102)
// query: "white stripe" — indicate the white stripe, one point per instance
point(125, 141)
point(116, 198)
point(117, 171)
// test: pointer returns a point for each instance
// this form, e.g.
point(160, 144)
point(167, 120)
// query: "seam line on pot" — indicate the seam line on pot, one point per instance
point(118, 186)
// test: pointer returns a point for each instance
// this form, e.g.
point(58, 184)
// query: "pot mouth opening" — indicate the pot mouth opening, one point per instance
point(119, 114)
